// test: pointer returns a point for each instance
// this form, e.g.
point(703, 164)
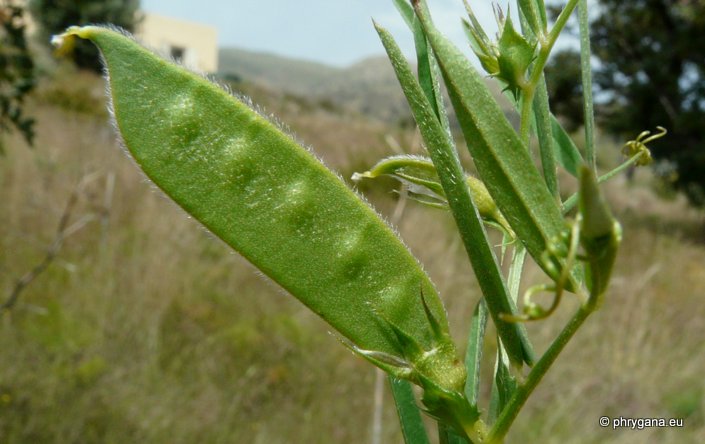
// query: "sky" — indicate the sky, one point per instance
point(335, 32)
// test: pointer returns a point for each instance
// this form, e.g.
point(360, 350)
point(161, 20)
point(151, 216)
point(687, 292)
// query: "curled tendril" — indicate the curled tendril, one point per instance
point(638, 146)
point(565, 247)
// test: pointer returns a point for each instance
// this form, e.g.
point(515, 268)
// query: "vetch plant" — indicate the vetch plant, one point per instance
point(270, 199)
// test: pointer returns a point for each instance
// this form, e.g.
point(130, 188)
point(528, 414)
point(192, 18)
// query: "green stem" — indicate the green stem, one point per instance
point(515, 270)
point(527, 94)
point(550, 40)
point(561, 21)
point(412, 426)
point(542, 118)
point(522, 393)
point(570, 202)
point(529, 89)
point(586, 76)
point(473, 352)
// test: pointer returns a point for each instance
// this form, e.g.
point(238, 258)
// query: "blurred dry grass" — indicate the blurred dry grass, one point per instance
point(147, 329)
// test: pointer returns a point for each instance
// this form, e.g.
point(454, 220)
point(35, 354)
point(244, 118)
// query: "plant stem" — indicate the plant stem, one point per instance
point(586, 76)
point(515, 271)
point(522, 393)
point(412, 426)
point(573, 199)
point(529, 89)
point(527, 94)
point(542, 115)
point(473, 353)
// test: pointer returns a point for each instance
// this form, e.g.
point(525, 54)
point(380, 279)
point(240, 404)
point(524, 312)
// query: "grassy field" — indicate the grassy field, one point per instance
point(147, 329)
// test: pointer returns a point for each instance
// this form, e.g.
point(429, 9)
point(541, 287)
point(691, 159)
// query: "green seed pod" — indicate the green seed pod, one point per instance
point(271, 200)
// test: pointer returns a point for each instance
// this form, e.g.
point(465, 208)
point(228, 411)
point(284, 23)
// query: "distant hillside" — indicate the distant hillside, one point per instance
point(296, 76)
point(367, 87)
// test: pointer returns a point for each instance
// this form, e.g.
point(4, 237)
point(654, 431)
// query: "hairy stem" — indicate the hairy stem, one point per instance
point(522, 393)
point(529, 89)
point(570, 202)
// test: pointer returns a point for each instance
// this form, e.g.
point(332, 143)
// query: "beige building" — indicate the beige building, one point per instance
point(193, 44)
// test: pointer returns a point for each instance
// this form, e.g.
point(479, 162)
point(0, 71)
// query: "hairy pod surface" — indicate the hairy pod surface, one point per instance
point(271, 200)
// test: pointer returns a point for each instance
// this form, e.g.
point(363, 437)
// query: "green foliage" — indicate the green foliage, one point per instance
point(464, 209)
point(270, 199)
point(16, 73)
point(409, 415)
point(54, 16)
point(252, 365)
point(501, 158)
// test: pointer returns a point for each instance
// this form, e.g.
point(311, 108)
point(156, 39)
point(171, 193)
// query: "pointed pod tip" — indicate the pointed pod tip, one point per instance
point(65, 41)
point(59, 41)
point(357, 177)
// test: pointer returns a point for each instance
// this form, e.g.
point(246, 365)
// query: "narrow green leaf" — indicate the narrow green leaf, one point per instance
point(477, 245)
point(446, 435)
point(600, 235)
point(406, 11)
point(502, 161)
point(542, 116)
point(427, 67)
point(412, 426)
point(528, 9)
point(504, 386)
point(541, 7)
point(473, 354)
point(515, 271)
point(475, 24)
point(270, 199)
point(567, 154)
